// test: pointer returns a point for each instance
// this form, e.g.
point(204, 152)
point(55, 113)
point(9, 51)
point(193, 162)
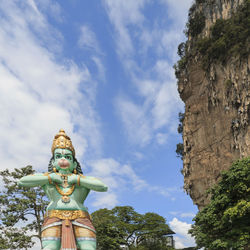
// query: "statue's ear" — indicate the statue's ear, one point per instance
point(53, 161)
point(75, 164)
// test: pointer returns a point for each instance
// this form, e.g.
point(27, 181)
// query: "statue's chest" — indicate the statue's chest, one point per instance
point(66, 194)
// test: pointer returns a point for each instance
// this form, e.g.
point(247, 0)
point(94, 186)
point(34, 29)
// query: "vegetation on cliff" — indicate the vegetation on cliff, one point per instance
point(195, 24)
point(179, 147)
point(224, 223)
point(228, 38)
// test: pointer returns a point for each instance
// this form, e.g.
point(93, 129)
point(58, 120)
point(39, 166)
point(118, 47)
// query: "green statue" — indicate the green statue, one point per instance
point(67, 224)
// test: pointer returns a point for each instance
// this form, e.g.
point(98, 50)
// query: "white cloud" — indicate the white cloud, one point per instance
point(38, 94)
point(156, 118)
point(138, 155)
point(182, 238)
point(108, 200)
point(122, 14)
point(183, 214)
point(161, 138)
point(187, 215)
point(135, 121)
point(166, 101)
point(148, 88)
point(49, 7)
point(100, 68)
point(140, 40)
point(164, 70)
point(120, 178)
point(88, 39)
point(177, 10)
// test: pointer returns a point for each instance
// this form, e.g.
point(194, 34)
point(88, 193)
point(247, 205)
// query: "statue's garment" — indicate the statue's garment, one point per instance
point(68, 231)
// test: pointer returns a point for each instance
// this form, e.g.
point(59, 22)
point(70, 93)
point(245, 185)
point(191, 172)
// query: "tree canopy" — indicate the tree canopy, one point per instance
point(224, 223)
point(22, 211)
point(124, 226)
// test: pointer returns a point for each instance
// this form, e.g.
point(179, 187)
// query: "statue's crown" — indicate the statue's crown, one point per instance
point(61, 140)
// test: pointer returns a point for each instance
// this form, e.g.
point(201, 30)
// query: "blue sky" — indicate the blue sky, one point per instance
point(101, 70)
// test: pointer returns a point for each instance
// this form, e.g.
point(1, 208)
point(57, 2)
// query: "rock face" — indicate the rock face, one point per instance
point(217, 111)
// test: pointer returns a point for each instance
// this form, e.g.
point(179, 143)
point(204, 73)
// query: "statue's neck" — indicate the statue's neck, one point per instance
point(62, 171)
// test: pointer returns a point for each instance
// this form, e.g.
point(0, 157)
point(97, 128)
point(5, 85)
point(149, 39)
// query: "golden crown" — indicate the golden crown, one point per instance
point(61, 140)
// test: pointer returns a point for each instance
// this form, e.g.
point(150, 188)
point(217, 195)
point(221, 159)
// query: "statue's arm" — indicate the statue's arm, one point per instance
point(91, 183)
point(35, 180)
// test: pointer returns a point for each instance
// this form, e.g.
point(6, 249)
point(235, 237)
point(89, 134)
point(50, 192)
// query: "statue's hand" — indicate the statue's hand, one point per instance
point(56, 178)
point(72, 179)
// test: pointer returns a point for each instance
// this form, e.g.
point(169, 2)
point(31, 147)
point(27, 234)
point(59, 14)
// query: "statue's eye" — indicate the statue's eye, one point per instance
point(68, 157)
point(58, 156)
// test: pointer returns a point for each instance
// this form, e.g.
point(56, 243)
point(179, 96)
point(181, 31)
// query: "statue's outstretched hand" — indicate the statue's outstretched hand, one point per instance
point(56, 178)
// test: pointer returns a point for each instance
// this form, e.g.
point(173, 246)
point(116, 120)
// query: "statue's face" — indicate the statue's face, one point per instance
point(63, 160)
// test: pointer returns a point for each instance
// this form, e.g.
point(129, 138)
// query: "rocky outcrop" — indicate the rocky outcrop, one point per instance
point(216, 9)
point(217, 108)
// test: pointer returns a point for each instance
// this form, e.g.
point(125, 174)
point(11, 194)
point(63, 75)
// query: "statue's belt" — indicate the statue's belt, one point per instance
point(67, 214)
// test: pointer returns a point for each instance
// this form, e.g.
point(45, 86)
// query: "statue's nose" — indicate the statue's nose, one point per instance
point(63, 161)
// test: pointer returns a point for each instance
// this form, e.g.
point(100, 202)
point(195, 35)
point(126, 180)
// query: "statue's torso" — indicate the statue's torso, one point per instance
point(76, 199)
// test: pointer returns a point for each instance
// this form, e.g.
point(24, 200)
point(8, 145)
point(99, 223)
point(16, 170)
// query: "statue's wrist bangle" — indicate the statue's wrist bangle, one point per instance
point(78, 180)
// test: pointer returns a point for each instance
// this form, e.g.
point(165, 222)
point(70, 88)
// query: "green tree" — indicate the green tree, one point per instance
point(22, 211)
point(108, 234)
point(124, 226)
point(224, 223)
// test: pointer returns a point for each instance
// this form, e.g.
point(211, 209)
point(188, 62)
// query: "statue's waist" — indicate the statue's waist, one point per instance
point(67, 214)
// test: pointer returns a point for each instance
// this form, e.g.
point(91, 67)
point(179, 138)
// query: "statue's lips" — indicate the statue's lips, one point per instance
point(63, 164)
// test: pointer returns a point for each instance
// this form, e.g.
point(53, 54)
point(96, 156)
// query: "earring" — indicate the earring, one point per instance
point(75, 172)
point(54, 169)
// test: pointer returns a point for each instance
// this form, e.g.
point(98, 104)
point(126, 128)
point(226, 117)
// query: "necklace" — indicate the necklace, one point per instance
point(65, 195)
point(65, 179)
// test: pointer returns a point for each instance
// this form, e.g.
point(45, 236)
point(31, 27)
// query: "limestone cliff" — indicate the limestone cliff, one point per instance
point(213, 81)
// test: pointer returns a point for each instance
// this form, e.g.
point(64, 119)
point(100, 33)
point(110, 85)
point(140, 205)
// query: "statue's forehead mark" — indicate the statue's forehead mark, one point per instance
point(63, 152)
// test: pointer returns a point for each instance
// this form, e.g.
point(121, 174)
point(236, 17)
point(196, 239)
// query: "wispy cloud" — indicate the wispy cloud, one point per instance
point(187, 215)
point(121, 178)
point(136, 124)
point(88, 39)
point(177, 10)
point(40, 94)
point(48, 7)
point(147, 51)
point(121, 14)
point(101, 70)
point(183, 214)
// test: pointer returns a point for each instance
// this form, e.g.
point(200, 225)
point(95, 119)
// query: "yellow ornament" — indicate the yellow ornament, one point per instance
point(61, 140)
